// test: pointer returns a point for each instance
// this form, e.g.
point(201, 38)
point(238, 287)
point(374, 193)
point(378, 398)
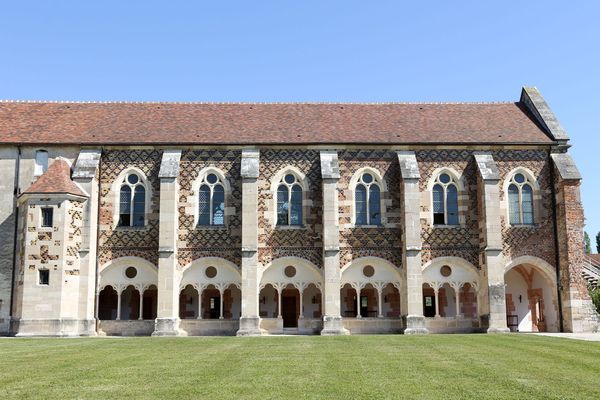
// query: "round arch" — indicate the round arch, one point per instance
point(198, 275)
point(547, 270)
point(306, 273)
point(384, 271)
point(113, 273)
point(462, 271)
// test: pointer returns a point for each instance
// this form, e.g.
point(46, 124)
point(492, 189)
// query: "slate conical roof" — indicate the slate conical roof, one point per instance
point(56, 180)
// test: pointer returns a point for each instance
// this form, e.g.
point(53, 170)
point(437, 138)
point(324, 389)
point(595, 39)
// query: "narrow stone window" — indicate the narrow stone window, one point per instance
point(47, 217)
point(520, 200)
point(367, 201)
point(445, 201)
point(211, 201)
point(132, 201)
point(41, 162)
point(289, 201)
point(44, 277)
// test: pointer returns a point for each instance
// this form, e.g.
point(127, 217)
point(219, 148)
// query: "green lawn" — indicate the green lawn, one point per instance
point(426, 367)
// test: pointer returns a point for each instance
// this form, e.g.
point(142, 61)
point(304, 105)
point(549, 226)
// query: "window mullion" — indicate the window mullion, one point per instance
point(131, 204)
point(367, 187)
point(445, 205)
point(210, 205)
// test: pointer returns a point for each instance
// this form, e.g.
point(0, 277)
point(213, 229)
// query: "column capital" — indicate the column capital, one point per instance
point(250, 165)
point(330, 168)
point(409, 167)
point(488, 170)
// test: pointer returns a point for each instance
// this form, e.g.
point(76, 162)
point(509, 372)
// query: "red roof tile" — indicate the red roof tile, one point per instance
point(56, 179)
point(294, 123)
point(595, 259)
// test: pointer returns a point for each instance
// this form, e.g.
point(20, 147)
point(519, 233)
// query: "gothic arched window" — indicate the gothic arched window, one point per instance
point(289, 201)
point(132, 201)
point(520, 200)
point(367, 201)
point(211, 201)
point(445, 200)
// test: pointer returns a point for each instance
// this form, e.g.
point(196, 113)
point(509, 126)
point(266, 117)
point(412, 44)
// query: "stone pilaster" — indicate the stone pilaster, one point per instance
point(492, 310)
point(85, 174)
point(250, 320)
point(167, 321)
point(578, 312)
point(330, 174)
point(412, 295)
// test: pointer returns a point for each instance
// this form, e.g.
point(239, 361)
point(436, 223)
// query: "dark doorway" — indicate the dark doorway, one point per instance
point(364, 306)
point(429, 306)
point(214, 307)
point(289, 312)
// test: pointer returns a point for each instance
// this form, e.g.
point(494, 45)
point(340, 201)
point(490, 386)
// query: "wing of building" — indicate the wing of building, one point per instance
point(250, 219)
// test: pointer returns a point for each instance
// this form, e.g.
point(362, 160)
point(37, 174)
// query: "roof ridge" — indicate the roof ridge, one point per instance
point(8, 101)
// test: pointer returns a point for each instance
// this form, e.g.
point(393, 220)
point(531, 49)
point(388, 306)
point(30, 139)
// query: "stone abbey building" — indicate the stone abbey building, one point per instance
point(250, 219)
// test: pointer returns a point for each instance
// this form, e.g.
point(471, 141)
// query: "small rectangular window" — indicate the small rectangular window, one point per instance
point(44, 276)
point(47, 217)
point(41, 162)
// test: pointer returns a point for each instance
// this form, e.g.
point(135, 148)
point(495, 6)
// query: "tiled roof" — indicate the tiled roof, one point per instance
point(594, 259)
point(267, 123)
point(56, 179)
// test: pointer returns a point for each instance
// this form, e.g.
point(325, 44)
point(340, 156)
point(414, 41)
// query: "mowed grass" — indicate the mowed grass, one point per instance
point(301, 367)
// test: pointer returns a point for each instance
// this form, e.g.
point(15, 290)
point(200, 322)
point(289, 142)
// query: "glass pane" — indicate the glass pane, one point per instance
point(438, 205)
point(519, 178)
point(296, 211)
point(218, 205)
point(444, 178)
point(367, 178)
point(452, 205)
point(212, 178)
point(289, 178)
point(527, 195)
point(204, 205)
point(139, 206)
point(513, 204)
point(282, 205)
point(374, 205)
point(124, 206)
point(361, 205)
point(133, 179)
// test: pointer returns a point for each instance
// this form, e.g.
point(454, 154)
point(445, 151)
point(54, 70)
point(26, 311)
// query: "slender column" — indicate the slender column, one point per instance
point(250, 320)
point(140, 317)
point(119, 304)
point(457, 289)
point(221, 294)
point(412, 297)
point(332, 318)
point(436, 297)
point(199, 316)
point(167, 321)
point(493, 306)
point(279, 302)
point(301, 291)
point(358, 303)
point(379, 302)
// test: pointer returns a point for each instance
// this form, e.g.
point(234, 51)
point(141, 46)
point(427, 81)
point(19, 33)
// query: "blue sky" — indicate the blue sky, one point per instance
point(313, 51)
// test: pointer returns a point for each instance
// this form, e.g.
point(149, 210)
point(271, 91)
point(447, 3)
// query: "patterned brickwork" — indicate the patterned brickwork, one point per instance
point(118, 242)
point(280, 242)
point(356, 241)
point(461, 241)
point(537, 240)
point(196, 242)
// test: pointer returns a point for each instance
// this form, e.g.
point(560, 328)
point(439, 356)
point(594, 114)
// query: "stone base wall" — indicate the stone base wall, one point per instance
point(373, 325)
point(125, 328)
point(210, 327)
point(52, 327)
point(452, 325)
